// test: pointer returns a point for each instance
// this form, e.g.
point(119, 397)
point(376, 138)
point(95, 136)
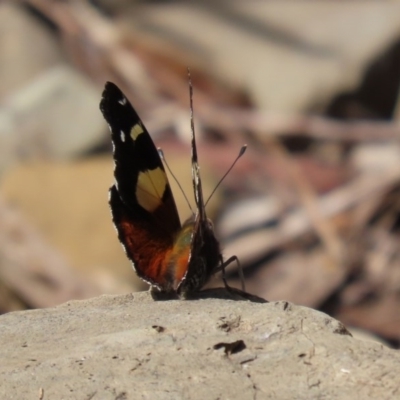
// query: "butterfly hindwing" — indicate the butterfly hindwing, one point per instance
point(143, 208)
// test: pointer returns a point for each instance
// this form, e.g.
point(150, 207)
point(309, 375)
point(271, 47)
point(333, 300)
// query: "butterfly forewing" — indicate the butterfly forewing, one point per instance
point(143, 208)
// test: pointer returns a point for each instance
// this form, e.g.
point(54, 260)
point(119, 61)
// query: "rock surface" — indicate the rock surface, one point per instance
point(131, 347)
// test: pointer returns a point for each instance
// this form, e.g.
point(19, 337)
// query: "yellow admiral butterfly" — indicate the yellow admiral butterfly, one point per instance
point(170, 257)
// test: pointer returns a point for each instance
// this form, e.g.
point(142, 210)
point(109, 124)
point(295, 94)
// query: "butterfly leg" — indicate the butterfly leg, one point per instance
point(225, 263)
point(223, 272)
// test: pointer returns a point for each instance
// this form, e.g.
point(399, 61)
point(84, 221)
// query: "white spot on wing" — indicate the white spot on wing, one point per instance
point(122, 101)
point(122, 136)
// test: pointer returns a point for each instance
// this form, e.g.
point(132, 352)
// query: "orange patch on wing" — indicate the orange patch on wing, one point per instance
point(149, 254)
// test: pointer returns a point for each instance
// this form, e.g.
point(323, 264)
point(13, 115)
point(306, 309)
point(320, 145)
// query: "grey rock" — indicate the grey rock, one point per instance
point(131, 347)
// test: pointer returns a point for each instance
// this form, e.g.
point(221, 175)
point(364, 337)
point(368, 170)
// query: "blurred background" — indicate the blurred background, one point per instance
point(312, 209)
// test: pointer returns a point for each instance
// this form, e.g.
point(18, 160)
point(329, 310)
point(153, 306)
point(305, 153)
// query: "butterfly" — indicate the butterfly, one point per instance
point(171, 257)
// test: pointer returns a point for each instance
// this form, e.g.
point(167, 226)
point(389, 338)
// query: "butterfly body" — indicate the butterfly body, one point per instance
point(171, 257)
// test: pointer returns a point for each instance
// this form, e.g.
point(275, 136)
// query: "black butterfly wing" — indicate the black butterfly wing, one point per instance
point(141, 201)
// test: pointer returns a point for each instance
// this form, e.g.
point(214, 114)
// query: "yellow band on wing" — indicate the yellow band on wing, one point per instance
point(150, 188)
point(136, 131)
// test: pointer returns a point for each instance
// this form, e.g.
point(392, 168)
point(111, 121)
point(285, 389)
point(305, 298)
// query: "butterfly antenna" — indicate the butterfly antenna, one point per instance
point(241, 152)
point(161, 154)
